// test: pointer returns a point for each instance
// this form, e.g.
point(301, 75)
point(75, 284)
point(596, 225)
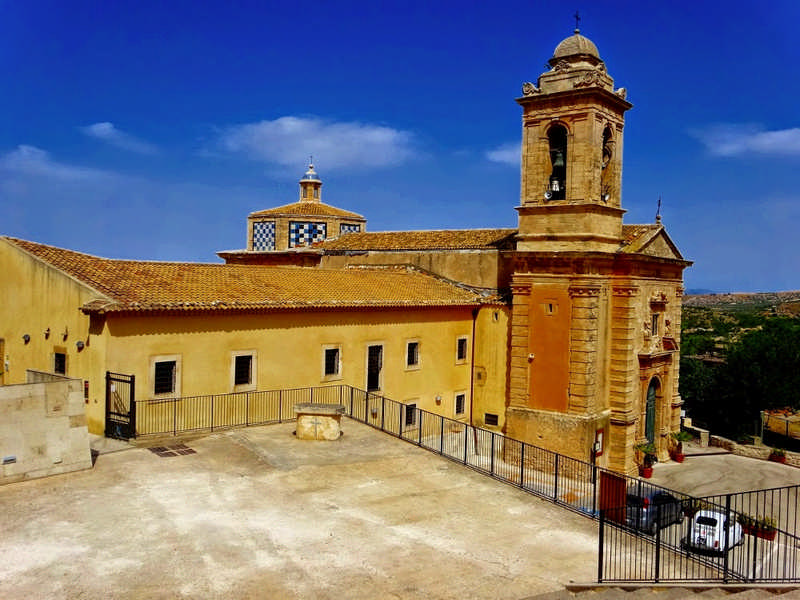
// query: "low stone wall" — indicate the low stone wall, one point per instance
point(752, 451)
point(42, 428)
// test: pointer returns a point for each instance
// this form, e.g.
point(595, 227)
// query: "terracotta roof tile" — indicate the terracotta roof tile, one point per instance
point(307, 208)
point(129, 285)
point(634, 236)
point(458, 239)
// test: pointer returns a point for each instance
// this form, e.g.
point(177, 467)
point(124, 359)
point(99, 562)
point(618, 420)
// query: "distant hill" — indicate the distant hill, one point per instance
point(780, 301)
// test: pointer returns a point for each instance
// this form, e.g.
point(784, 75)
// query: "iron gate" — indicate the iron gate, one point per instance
point(120, 406)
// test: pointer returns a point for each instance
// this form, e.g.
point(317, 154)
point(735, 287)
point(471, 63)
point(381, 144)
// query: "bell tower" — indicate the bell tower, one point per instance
point(571, 172)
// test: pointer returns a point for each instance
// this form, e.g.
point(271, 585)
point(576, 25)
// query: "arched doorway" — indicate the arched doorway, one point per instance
point(650, 410)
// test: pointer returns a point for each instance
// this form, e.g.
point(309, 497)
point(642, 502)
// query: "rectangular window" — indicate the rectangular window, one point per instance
point(461, 349)
point(243, 370)
point(654, 327)
point(411, 414)
point(460, 403)
point(331, 361)
point(60, 363)
point(490, 419)
point(164, 377)
point(374, 367)
point(412, 355)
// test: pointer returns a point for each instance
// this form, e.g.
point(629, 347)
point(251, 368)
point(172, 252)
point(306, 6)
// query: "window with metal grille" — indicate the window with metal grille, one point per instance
point(461, 349)
point(60, 363)
point(412, 354)
point(331, 361)
point(164, 377)
point(460, 402)
point(243, 369)
point(490, 419)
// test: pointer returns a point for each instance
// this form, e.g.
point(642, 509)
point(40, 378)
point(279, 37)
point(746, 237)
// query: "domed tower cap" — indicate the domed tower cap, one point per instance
point(576, 46)
point(311, 174)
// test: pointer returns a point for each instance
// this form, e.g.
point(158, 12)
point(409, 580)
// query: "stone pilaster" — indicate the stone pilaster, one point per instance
point(624, 375)
point(583, 348)
point(520, 334)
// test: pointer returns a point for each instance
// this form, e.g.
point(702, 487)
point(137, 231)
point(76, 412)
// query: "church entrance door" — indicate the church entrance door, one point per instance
point(650, 414)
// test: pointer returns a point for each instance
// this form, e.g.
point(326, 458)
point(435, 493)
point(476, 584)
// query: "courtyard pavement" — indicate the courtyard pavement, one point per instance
point(256, 513)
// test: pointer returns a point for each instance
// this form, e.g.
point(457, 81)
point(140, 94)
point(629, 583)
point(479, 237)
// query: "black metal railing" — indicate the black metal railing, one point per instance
point(737, 537)
point(630, 548)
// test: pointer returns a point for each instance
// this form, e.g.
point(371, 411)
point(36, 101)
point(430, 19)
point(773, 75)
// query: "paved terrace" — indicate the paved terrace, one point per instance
point(256, 513)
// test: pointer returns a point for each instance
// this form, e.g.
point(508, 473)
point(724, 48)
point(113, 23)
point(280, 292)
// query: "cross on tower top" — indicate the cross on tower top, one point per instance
point(577, 22)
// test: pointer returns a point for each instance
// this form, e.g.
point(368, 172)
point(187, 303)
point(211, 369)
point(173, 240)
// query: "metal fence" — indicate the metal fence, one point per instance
point(630, 547)
point(741, 537)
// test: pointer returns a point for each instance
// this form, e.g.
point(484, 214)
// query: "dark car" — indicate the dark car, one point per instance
point(649, 510)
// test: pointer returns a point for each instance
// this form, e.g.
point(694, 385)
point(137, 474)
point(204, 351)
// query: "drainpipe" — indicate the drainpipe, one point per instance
point(472, 381)
point(472, 367)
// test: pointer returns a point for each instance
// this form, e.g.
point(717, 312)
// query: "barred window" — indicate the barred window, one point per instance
point(460, 402)
point(164, 377)
point(331, 361)
point(243, 369)
point(412, 354)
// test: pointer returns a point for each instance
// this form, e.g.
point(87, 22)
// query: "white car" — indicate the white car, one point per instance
point(708, 532)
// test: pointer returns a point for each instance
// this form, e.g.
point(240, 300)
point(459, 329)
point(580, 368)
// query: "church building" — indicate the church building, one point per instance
point(563, 332)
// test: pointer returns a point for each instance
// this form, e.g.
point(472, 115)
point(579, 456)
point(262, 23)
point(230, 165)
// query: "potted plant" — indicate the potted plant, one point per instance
point(647, 452)
point(677, 451)
point(760, 527)
point(778, 455)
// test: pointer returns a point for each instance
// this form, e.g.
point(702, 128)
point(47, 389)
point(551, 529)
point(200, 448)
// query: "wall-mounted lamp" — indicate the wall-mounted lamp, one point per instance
point(438, 398)
point(80, 345)
point(26, 338)
point(47, 333)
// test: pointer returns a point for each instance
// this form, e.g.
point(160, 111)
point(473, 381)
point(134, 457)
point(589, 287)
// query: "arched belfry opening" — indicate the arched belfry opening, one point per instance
point(606, 165)
point(557, 183)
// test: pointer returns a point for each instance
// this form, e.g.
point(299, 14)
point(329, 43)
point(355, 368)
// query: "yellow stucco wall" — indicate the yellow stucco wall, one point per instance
point(490, 372)
point(289, 348)
point(34, 298)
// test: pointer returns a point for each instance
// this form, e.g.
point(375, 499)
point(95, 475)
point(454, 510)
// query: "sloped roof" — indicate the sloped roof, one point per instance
point(131, 285)
point(307, 208)
point(456, 239)
point(650, 239)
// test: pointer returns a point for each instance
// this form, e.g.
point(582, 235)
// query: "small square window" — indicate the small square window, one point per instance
point(460, 403)
point(331, 361)
point(412, 354)
point(461, 349)
point(243, 370)
point(164, 377)
point(490, 419)
point(60, 363)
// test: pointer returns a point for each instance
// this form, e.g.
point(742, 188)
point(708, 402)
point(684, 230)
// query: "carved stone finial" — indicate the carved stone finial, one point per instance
point(528, 89)
point(622, 93)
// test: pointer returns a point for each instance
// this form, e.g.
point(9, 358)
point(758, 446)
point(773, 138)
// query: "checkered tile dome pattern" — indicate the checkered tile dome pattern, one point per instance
point(264, 235)
point(349, 228)
point(304, 233)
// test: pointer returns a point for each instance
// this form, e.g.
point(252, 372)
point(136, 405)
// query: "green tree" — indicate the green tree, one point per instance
point(762, 371)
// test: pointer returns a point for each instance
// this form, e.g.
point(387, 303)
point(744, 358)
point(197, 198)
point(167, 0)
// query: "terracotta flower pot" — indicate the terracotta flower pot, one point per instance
point(646, 472)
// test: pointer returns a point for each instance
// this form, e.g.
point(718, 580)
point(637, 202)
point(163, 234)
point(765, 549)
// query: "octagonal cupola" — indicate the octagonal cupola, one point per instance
point(310, 185)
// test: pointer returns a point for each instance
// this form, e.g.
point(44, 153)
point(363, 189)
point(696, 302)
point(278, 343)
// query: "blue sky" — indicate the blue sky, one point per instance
point(151, 129)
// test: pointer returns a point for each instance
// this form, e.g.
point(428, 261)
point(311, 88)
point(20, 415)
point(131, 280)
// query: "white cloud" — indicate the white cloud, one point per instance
point(739, 139)
point(289, 141)
point(106, 132)
point(507, 154)
point(29, 160)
